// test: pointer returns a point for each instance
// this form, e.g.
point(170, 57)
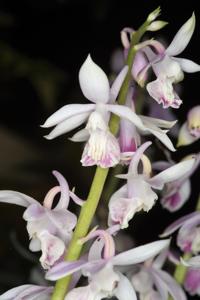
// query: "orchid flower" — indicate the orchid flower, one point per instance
point(190, 130)
point(28, 292)
point(168, 68)
point(137, 194)
point(50, 229)
point(188, 237)
point(105, 280)
point(176, 193)
point(129, 136)
point(102, 147)
point(152, 283)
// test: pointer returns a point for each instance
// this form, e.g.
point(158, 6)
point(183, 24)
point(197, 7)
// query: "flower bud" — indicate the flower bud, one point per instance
point(153, 15)
point(157, 25)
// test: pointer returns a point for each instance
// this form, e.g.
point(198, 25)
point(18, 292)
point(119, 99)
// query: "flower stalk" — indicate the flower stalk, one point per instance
point(89, 208)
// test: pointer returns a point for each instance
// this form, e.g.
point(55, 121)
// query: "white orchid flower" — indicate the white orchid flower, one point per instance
point(102, 147)
point(137, 194)
point(105, 279)
point(167, 67)
point(50, 229)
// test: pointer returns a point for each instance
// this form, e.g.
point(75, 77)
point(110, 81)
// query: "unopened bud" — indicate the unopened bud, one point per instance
point(157, 25)
point(153, 15)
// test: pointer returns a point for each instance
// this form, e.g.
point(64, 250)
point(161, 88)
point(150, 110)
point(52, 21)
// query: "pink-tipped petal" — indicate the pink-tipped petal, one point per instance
point(126, 34)
point(66, 112)
point(102, 149)
point(162, 91)
point(94, 82)
point(133, 167)
point(64, 191)
point(182, 37)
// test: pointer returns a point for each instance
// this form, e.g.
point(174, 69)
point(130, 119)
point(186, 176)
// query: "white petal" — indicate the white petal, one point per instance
point(28, 291)
point(63, 269)
point(68, 125)
point(133, 167)
point(81, 293)
point(140, 254)
point(66, 112)
point(173, 173)
point(17, 198)
point(159, 122)
point(171, 285)
point(179, 223)
point(187, 65)
point(81, 136)
point(124, 290)
point(105, 279)
point(162, 136)
point(9, 295)
point(185, 138)
point(182, 38)
point(94, 82)
point(126, 113)
point(35, 245)
point(115, 88)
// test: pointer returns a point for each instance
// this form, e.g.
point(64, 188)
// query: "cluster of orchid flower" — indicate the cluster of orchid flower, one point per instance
point(103, 272)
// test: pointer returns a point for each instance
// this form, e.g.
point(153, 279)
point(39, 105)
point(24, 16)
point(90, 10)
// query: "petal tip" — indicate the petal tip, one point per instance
point(48, 137)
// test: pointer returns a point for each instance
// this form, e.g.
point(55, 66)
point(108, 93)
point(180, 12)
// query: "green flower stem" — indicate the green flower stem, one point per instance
point(89, 208)
point(181, 270)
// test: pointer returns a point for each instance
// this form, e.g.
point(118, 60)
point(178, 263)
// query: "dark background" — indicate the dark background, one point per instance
point(42, 46)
